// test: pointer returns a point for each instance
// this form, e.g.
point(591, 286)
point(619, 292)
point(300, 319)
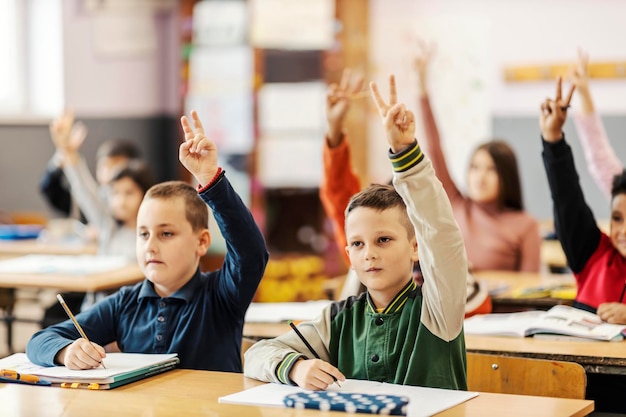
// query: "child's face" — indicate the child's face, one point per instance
point(168, 250)
point(124, 200)
point(618, 223)
point(482, 178)
point(380, 252)
point(106, 168)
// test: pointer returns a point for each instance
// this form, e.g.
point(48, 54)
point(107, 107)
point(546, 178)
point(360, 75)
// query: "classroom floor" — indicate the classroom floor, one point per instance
point(30, 304)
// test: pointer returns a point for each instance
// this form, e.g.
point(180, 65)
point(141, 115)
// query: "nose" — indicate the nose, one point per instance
point(151, 245)
point(371, 253)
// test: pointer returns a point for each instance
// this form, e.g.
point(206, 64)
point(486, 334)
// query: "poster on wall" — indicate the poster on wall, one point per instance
point(221, 90)
point(292, 24)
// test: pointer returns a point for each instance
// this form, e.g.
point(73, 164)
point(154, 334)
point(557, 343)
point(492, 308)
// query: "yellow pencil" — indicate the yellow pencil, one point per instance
point(71, 316)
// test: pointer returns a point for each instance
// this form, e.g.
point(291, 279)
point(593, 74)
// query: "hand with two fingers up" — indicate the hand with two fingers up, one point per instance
point(554, 112)
point(197, 153)
point(398, 122)
point(338, 99)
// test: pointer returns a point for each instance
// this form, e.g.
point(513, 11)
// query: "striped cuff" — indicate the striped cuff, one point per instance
point(406, 159)
point(283, 368)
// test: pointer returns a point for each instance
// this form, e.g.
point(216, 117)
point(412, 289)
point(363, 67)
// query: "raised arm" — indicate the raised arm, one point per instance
point(602, 162)
point(246, 252)
point(441, 249)
point(575, 225)
point(432, 143)
point(68, 137)
point(339, 182)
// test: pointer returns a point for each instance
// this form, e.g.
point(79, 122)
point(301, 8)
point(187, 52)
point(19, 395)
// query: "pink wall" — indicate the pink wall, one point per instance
point(135, 84)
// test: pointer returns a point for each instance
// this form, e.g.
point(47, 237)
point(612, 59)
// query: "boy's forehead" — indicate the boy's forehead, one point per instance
point(158, 208)
point(366, 219)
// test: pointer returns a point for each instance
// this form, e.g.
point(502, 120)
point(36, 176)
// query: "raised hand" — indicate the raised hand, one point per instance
point(580, 72)
point(67, 136)
point(197, 153)
point(420, 64)
point(553, 114)
point(399, 123)
point(338, 103)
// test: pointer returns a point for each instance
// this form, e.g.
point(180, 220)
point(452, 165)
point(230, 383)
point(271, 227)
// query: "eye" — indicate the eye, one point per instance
point(356, 244)
point(616, 218)
point(384, 239)
point(143, 235)
point(167, 234)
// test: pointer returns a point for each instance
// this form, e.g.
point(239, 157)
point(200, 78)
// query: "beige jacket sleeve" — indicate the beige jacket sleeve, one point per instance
point(262, 360)
point(441, 249)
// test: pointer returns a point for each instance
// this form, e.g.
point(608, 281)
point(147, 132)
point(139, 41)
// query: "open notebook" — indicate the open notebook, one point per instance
point(559, 320)
point(422, 401)
point(121, 369)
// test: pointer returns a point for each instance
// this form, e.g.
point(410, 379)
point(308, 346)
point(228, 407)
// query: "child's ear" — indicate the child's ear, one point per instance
point(414, 255)
point(204, 241)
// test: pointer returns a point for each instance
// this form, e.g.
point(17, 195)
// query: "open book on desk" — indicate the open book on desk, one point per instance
point(121, 369)
point(559, 320)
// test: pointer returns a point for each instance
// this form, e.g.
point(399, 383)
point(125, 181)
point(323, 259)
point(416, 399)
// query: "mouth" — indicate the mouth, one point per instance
point(373, 269)
point(153, 262)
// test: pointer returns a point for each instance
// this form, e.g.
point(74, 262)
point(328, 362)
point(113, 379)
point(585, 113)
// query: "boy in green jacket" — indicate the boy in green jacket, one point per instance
point(395, 332)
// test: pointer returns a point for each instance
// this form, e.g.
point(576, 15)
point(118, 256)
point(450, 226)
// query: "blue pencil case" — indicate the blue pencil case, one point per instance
point(394, 405)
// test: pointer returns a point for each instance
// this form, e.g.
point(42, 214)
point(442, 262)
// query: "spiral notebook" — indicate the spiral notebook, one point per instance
point(121, 369)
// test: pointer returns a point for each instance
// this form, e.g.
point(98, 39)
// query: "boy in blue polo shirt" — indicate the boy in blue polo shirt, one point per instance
point(177, 308)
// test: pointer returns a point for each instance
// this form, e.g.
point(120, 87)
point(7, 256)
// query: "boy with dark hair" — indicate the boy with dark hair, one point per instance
point(177, 308)
point(395, 332)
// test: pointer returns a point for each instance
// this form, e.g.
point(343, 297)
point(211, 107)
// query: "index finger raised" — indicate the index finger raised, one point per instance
point(197, 122)
point(570, 94)
point(378, 99)
point(559, 81)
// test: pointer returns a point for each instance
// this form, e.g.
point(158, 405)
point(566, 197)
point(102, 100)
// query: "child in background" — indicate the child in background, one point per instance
point(498, 233)
point(395, 332)
point(177, 308)
point(114, 216)
point(597, 260)
point(110, 155)
point(602, 162)
point(340, 183)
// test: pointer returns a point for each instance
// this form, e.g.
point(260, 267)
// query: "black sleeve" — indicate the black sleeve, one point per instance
point(574, 222)
point(56, 191)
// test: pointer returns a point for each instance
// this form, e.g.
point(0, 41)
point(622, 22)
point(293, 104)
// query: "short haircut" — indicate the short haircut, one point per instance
point(619, 184)
point(510, 188)
point(196, 210)
point(118, 147)
point(380, 198)
point(138, 171)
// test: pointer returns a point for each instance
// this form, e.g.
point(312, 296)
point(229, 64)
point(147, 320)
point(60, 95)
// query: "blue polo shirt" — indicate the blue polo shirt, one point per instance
point(202, 321)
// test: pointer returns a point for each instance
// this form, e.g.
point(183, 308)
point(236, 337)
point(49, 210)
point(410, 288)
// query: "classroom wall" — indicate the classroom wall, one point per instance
point(472, 102)
point(121, 94)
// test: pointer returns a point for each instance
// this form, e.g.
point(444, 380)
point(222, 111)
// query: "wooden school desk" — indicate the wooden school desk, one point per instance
point(505, 301)
point(195, 393)
point(12, 248)
point(595, 357)
point(93, 282)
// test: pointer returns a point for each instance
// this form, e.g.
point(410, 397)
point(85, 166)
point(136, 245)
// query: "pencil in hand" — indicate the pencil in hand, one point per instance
point(308, 345)
point(78, 328)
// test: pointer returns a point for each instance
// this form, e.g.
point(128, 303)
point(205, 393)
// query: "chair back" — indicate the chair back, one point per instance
point(525, 376)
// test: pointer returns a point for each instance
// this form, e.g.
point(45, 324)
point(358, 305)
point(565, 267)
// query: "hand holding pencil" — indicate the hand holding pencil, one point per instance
point(313, 374)
point(82, 353)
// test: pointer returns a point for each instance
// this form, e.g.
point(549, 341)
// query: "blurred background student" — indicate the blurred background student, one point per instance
point(602, 163)
point(110, 156)
point(110, 207)
point(498, 233)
